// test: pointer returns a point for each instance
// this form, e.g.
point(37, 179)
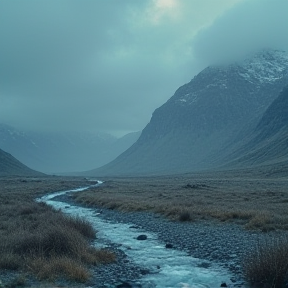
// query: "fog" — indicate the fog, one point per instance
point(107, 65)
point(244, 29)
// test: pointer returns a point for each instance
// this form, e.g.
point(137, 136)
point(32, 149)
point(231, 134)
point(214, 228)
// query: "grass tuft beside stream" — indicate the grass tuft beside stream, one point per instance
point(267, 264)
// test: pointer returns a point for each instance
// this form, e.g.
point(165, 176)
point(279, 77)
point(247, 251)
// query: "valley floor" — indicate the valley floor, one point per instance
point(217, 216)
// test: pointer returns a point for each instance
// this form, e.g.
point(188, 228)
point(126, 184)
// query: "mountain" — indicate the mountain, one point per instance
point(62, 152)
point(123, 143)
point(268, 143)
point(206, 119)
point(11, 166)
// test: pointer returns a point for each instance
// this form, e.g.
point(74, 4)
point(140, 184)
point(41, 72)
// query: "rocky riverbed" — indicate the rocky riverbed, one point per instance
point(214, 242)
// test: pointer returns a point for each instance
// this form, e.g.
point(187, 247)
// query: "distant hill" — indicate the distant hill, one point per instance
point(63, 151)
point(208, 119)
point(11, 166)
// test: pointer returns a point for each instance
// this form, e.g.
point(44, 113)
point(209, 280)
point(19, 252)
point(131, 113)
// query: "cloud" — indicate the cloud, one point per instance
point(100, 65)
point(245, 28)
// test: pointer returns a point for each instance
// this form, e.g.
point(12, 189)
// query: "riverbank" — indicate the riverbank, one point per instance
point(224, 244)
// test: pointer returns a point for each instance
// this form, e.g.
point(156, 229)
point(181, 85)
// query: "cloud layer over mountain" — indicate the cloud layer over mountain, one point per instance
point(106, 65)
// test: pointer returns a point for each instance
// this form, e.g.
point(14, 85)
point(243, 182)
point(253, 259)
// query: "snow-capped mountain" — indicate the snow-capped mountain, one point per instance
point(207, 118)
point(11, 166)
point(62, 152)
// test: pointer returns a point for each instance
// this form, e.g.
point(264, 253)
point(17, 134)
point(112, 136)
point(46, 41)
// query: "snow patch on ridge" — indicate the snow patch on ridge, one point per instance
point(266, 66)
point(189, 98)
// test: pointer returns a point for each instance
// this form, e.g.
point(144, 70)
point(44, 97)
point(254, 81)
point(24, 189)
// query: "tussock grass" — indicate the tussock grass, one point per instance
point(37, 239)
point(252, 200)
point(267, 264)
point(10, 261)
point(185, 216)
point(58, 266)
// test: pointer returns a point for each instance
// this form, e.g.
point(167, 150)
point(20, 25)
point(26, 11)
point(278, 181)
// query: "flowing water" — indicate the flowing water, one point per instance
point(168, 267)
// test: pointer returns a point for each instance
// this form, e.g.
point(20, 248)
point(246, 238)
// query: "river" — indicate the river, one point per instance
point(168, 267)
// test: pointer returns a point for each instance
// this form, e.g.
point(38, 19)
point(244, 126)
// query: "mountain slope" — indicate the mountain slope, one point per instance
point(11, 166)
point(269, 141)
point(203, 116)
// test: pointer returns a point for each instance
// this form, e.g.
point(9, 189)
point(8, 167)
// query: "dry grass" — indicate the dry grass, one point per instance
point(37, 239)
point(59, 266)
point(255, 201)
point(267, 265)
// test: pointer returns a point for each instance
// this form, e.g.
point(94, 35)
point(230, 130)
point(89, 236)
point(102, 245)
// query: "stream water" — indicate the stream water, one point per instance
point(168, 267)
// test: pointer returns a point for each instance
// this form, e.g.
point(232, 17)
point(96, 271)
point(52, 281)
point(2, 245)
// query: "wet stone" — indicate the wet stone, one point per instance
point(142, 237)
point(144, 271)
point(124, 285)
point(134, 227)
point(168, 246)
point(205, 265)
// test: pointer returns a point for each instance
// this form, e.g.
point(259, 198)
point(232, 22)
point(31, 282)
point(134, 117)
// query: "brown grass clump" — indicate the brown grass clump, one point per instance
point(58, 266)
point(10, 261)
point(267, 265)
point(80, 225)
point(185, 216)
point(38, 239)
point(95, 257)
point(261, 221)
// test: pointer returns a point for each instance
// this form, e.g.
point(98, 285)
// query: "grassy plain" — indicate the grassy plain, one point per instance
point(38, 240)
point(256, 199)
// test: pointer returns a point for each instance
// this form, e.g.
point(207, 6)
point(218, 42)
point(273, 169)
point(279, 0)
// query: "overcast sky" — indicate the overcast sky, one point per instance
point(106, 65)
